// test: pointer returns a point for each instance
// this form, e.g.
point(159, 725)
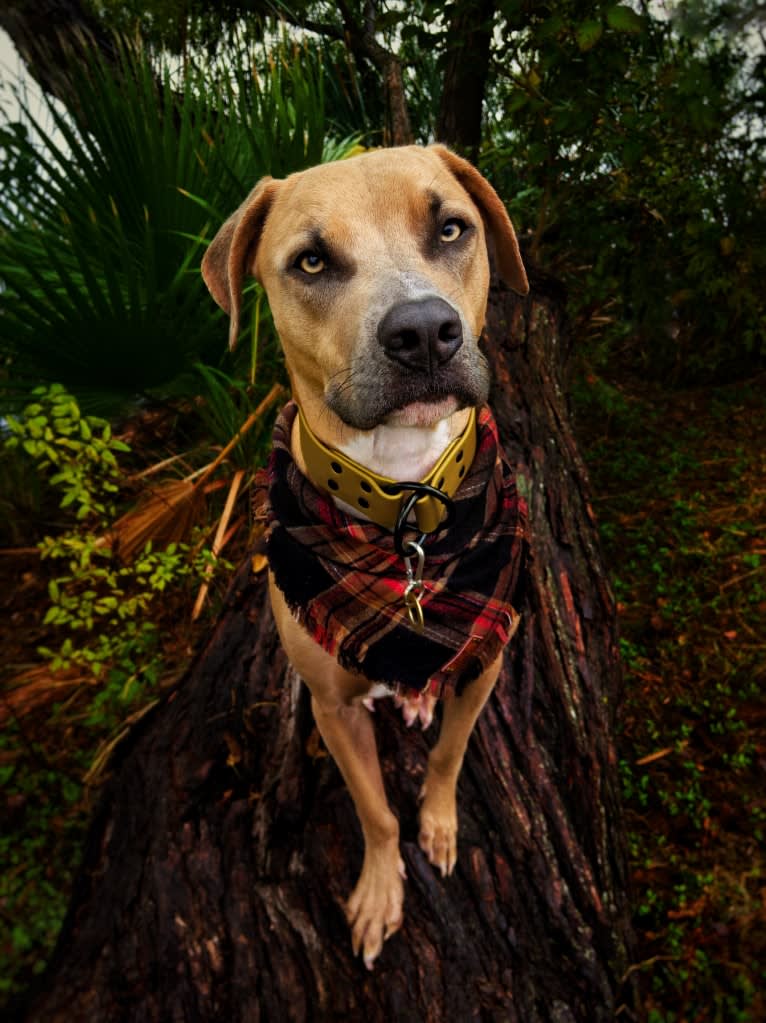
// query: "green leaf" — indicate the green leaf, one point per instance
point(21, 938)
point(624, 19)
point(588, 34)
point(101, 244)
point(52, 616)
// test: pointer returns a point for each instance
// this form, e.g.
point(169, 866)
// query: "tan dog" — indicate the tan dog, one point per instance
point(376, 270)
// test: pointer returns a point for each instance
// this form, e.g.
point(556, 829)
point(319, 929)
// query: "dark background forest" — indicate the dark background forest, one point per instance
point(627, 141)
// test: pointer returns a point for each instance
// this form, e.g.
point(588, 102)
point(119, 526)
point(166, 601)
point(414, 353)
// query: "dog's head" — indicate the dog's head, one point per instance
point(376, 270)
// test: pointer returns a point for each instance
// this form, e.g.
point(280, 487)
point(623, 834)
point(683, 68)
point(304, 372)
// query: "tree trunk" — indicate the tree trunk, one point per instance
point(52, 36)
point(226, 842)
point(397, 131)
point(360, 29)
point(469, 40)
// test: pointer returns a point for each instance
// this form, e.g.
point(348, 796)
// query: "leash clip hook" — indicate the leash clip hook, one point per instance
point(408, 549)
point(415, 586)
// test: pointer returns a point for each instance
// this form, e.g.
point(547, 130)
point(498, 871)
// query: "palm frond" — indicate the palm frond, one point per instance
point(105, 220)
point(170, 509)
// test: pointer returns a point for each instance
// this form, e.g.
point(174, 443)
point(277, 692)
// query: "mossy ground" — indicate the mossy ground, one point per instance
point(680, 490)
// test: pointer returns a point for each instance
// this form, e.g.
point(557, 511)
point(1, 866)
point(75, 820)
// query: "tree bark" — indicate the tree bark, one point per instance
point(360, 38)
point(51, 36)
point(469, 41)
point(225, 841)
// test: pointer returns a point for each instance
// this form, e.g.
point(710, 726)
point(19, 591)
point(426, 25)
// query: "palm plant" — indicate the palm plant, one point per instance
point(100, 241)
point(98, 290)
point(102, 229)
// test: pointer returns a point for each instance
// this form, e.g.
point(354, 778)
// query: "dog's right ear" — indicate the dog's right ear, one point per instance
point(231, 253)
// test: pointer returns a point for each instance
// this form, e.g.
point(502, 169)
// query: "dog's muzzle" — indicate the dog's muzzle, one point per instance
point(421, 335)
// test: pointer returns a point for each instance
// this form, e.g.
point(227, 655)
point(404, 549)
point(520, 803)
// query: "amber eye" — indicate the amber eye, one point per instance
point(452, 229)
point(310, 262)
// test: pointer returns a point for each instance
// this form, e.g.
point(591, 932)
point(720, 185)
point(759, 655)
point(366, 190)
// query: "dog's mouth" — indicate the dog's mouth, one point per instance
point(418, 403)
point(424, 413)
point(375, 391)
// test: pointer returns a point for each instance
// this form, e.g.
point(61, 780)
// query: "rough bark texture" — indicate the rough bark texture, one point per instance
point(51, 36)
point(360, 35)
point(226, 842)
point(469, 41)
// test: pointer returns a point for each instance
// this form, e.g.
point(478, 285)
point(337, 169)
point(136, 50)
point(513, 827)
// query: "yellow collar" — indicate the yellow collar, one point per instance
point(359, 487)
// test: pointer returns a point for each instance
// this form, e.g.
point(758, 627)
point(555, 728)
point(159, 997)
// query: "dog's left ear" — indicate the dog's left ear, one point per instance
point(495, 215)
point(232, 252)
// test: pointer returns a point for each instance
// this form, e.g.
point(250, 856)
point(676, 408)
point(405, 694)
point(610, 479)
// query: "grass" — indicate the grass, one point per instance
point(681, 498)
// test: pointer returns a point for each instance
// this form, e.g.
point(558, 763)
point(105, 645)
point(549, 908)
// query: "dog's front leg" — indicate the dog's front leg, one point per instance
point(374, 910)
point(438, 810)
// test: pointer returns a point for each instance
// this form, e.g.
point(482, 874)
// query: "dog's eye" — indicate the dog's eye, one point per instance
point(310, 262)
point(452, 229)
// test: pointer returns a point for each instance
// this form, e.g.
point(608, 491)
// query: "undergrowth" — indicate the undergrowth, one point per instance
point(681, 498)
point(95, 638)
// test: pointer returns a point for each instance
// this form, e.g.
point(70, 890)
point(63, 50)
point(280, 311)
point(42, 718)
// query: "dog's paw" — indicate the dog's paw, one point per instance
point(420, 707)
point(375, 909)
point(438, 823)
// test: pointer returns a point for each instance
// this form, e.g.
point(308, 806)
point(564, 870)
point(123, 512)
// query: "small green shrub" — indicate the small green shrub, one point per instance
point(101, 609)
point(76, 452)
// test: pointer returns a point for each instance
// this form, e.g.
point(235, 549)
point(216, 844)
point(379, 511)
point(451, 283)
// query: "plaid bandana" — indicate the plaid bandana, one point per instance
point(344, 581)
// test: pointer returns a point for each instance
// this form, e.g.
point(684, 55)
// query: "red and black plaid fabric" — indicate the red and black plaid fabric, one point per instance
point(345, 583)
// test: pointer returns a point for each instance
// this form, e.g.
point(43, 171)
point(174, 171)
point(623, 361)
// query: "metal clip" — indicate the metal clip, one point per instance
point(415, 586)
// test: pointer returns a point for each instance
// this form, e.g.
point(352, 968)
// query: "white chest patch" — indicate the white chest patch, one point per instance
point(400, 452)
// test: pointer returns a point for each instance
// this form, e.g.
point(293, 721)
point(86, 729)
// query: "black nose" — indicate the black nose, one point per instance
point(421, 335)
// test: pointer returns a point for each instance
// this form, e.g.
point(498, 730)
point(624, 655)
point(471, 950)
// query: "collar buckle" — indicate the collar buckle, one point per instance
point(413, 502)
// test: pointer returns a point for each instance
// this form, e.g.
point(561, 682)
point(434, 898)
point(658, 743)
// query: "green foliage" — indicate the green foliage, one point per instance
point(42, 827)
point(77, 452)
point(635, 155)
point(225, 404)
point(99, 606)
point(104, 215)
point(103, 609)
point(99, 292)
point(273, 114)
point(629, 145)
point(108, 635)
point(100, 238)
point(25, 503)
point(682, 518)
point(631, 150)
